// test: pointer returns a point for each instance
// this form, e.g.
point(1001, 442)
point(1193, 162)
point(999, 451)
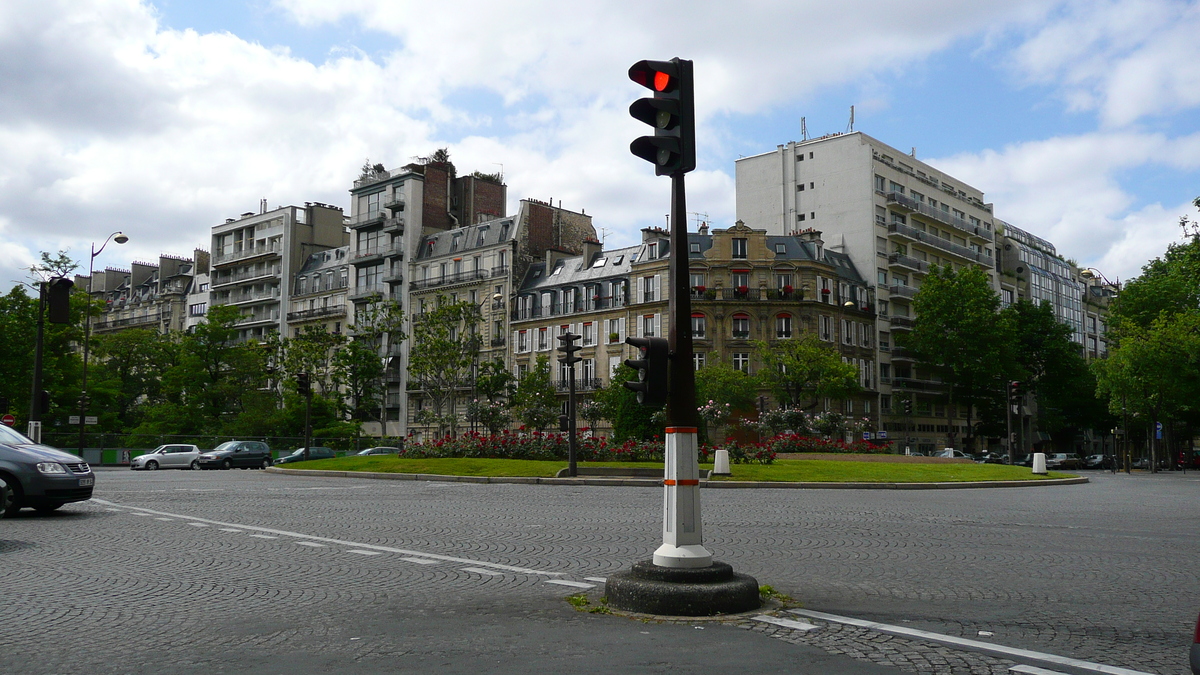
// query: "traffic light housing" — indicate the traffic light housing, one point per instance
point(672, 113)
point(58, 300)
point(563, 423)
point(1014, 390)
point(303, 384)
point(652, 366)
point(907, 406)
point(44, 403)
point(568, 349)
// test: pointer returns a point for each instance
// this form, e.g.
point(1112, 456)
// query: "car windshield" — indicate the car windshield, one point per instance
point(227, 445)
point(10, 435)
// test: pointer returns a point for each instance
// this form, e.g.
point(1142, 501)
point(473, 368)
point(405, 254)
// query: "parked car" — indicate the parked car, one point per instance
point(242, 454)
point(313, 453)
point(1097, 462)
point(174, 456)
point(3, 498)
point(39, 476)
point(381, 450)
point(1195, 655)
point(1062, 460)
point(956, 454)
point(992, 458)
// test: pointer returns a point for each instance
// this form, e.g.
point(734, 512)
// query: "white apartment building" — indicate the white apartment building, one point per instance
point(894, 216)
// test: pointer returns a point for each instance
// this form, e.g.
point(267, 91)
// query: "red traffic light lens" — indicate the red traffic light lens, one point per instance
point(661, 81)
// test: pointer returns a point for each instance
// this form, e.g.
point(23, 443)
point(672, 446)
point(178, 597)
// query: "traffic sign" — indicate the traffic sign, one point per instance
point(8, 420)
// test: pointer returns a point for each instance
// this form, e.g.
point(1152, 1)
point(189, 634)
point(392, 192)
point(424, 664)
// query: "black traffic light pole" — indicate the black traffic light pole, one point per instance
point(681, 396)
point(569, 358)
point(35, 395)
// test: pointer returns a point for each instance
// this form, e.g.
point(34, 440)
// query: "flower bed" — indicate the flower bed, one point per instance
point(793, 443)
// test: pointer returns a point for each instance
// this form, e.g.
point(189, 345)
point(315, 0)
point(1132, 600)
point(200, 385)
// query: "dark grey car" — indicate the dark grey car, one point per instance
point(240, 454)
point(313, 453)
point(39, 476)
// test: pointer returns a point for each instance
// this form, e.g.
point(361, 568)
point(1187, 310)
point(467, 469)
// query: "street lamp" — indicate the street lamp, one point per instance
point(120, 238)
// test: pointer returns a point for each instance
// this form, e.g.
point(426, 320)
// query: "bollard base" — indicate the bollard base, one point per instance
point(682, 591)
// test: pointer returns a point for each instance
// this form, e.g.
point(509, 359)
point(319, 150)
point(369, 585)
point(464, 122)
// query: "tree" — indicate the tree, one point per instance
point(127, 374)
point(619, 405)
point(535, 402)
point(359, 366)
point(444, 348)
point(805, 370)
point(722, 392)
point(494, 387)
point(959, 334)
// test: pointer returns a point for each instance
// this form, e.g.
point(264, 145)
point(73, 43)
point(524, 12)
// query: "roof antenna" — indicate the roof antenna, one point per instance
point(850, 128)
point(603, 235)
point(803, 130)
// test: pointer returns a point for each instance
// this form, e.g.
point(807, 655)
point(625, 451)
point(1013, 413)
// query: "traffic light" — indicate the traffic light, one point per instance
point(563, 423)
point(568, 348)
point(672, 113)
point(1014, 390)
point(303, 384)
point(3, 404)
point(58, 298)
point(652, 367)
point(44, 402)
point(907, 406)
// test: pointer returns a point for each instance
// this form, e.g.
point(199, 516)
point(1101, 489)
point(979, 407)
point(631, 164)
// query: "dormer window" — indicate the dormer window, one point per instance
point(652, 250)
point(740, 248)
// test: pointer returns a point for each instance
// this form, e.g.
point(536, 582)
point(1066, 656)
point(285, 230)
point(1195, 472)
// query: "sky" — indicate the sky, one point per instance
point(162, 118)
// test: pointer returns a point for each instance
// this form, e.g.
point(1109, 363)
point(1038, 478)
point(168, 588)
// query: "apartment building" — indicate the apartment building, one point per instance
point(257, 255)
point(147, 295)
point(894, 216)
point(746, 286)
point(318, 293)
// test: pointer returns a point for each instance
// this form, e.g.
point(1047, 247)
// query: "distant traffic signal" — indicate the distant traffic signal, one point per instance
point(58, 300)
point(907, 406)
point(303, 384)
point(44, 402)
point(652, 366)
point(568, 349)
point(1014, 390)
point(672, 113)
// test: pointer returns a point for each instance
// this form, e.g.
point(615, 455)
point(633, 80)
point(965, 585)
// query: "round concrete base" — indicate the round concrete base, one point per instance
point(671, 591)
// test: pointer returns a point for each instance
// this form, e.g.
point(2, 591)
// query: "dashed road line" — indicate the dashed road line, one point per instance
point(237, 527)
point(197, 524)
point(597, 579)
point(263, 536)
point(992, 649)
point(572, 584)
point(1034, 670)
point(310, 543)
point(420, 561)
point(786, 623)
point(365, 552)
point(230, 529)
point(165, 520)
point(480, 570)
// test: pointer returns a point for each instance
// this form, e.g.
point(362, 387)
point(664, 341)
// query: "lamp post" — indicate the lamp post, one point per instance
point(120, 238)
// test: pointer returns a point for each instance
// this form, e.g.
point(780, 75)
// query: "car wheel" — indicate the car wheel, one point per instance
point(266, 463)
point(194, 465)
point(12, 498)
point(47, 507)
point(227, 465)
point(152, 465)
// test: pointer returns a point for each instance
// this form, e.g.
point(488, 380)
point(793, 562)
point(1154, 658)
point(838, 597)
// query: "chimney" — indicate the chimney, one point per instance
point(591, 249)
point(813, 237)
point(703, 229)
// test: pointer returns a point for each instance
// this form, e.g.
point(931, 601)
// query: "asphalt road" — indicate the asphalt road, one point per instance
point(250, 572)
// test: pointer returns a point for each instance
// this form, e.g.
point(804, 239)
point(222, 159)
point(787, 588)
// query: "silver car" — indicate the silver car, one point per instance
point(173, 456)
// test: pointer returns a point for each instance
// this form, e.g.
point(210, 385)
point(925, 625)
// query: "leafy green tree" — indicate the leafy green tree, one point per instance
point(630, 420)
point(494, 388)
point(359, 366)
point(802, 371)
point(126, 376)
point(959, 334)
point(535, 402)
point(444, 348)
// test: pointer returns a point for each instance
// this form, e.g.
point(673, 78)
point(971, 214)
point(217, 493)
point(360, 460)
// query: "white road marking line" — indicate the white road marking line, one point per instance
point(165, 519)
point(479, 570)
point(310, 543)
point(1034, 670)
point(572, 584)
point(140, 514)
point(786, 623)
point(420, 561)
point(229, 529)
point(375, 547)
point(597, 579)
point(197, 524)
point(365, 553)
point(263, 536)
point(992, 649)
point(116, 510)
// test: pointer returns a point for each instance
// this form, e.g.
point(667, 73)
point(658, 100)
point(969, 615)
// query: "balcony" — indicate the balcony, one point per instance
point(317, 313)
point(393, 225)
point(372, 218)
point(901, 260)
point(364, 292)
point(447, 279)
point(913, 234)
point(257, 318)
point(902, 323)
point(901, 354)
point(899, 291)
point(242, 277)
point(374, 254)
point(498, 341)
point(910, 205)
point(244, 298)
point(248, 252)
point(394, 276)
point(916, 384)
point(741, 335)
point(581, 384)
point(128, 322)
point(394, 204)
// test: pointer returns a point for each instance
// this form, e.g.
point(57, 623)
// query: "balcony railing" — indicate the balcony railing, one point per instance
point(272, 317)
point(245, 275)
point(362, 292)
point(248, 252)
point(901, 260)
point(581, 384)
point(129, 321)
point(498, 341)
point(937, 242)
point(902, 322)
point(452, 278)
point(395, 224)
point(238, 298)
point(918, 384)
point(902, 291)
point(317, 312)
point(913, 206)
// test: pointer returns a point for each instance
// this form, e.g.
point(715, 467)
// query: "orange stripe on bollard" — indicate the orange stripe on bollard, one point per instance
point(680, 482)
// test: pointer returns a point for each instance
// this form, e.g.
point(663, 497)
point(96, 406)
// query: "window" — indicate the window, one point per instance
point(599, 262)
point(697, 360)
point(896, 187)
point(198, 309)
point(652, 250)
point(825, 327)
point(847, 332)
point(881, 277)
point(740, 278)
point(588, 370)
point(739, 248)
point(648, 325)
point(694, 247)
point(780, 249)
point(697, 279)
point(479, 240)
point(741, 361)
point(522, 341)
point(589, 334)
point(543, 342)
point(800, 187)
point(880, 183)
point(783, 280)
point(698, 325)
point(783, 326)
point(648, 294)
point(741, 326)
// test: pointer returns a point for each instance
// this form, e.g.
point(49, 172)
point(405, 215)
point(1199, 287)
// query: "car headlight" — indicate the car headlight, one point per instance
point(51, 467)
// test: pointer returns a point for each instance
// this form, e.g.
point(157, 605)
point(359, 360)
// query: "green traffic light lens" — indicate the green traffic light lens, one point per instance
point(664, 156)
point(663, 119)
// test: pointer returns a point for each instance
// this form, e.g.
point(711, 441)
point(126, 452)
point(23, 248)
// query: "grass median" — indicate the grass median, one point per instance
point(784, 470)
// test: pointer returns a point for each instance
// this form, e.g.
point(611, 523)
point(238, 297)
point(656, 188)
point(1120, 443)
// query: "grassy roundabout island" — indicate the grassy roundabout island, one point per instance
point(845, 469)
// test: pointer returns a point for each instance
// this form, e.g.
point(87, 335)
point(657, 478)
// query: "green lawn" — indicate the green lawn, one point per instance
point(784, 470)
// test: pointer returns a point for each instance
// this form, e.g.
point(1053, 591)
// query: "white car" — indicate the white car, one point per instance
point(173, 456)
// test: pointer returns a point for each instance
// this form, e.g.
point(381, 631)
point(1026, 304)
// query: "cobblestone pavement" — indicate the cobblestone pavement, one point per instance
point(245, 571)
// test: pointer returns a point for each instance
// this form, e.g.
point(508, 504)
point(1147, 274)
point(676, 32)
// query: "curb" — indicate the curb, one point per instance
point(657, 482)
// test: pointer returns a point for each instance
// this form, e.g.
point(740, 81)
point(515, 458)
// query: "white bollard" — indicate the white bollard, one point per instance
point(721, 463)
point(1039, 463)
point(683, 535)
